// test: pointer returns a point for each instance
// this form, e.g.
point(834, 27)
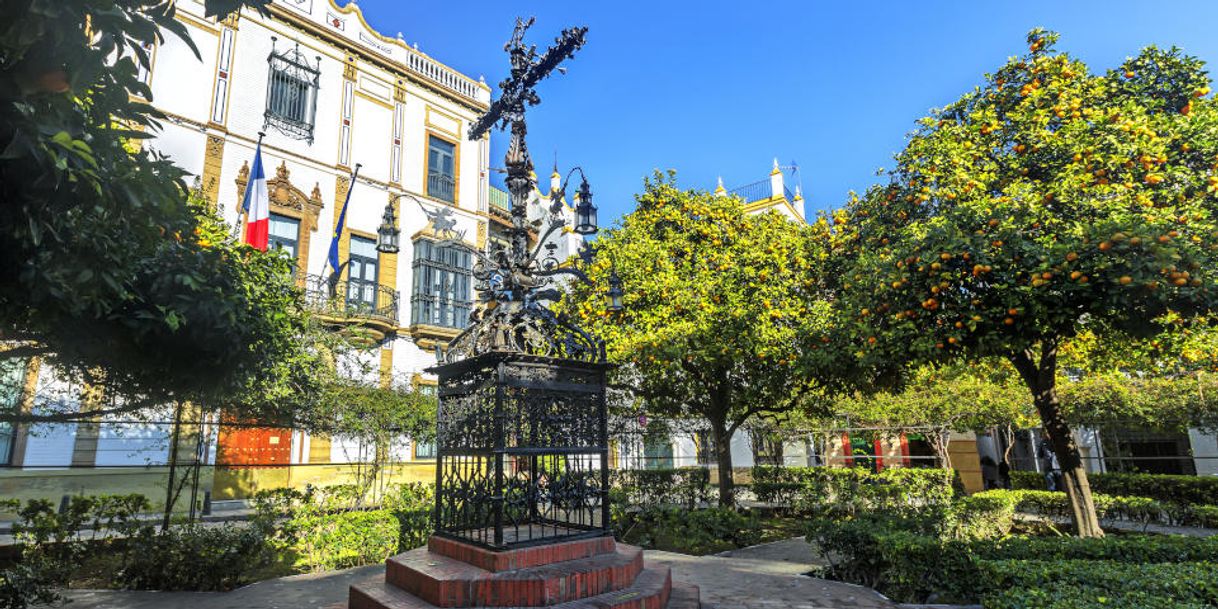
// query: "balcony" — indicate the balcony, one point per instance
point(441, 186)
point(354, 303)
point(500, 202)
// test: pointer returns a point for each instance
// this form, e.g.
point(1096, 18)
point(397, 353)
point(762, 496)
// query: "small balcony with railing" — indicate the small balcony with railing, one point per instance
point(353, 302)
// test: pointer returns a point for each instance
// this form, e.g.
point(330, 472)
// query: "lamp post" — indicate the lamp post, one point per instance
point(387, 233)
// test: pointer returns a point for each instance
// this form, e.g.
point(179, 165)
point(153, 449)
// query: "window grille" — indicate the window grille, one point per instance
point(291, 93)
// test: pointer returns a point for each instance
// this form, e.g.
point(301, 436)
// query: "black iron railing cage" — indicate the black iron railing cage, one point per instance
point(522, 450)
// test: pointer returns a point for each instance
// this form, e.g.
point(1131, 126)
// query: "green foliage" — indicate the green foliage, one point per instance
point(1196, 490)
point(963, 396)
point(918, 559)
point(1046, 197)
point(1182, 499)
point(834, 491)
point(1115, 398)
point(50, 544)
point(1109, 508)
point(338, 526)
point(696, 532)
point(724, 311)
point(1085, 583)
point(193, 557)
point(118, 278)
point(344, 539)
point(688, 487)
point(1045, 203)
point(979, 517)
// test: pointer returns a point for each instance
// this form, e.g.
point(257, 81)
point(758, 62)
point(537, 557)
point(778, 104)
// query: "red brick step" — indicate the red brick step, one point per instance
point(445, 582)
point(650, 590)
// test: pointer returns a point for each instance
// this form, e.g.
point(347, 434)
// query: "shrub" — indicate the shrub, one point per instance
point(1206, 516)
point(410, 497)
point(845, 491)
point(692, 532)
point(1064, 583)
point(1165, 488)
point(684, 486)
point(978, 517)
point(327, 541)
point(414, 527)
point(193, 557)
point(1054, 504)
point(50, 544)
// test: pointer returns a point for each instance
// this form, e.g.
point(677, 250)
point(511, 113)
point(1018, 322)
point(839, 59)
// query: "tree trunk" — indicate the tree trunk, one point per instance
point(939, 440)
point(1041, 379)
point(723, 460)
point(174, 438)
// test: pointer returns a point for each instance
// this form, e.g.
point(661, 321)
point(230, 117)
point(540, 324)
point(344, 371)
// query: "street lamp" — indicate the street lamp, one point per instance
point(615, 293)
point(585, 211)
point(387, 233)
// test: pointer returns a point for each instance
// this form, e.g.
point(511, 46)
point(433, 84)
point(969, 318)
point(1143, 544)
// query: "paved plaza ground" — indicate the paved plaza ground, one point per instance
point(759, 577)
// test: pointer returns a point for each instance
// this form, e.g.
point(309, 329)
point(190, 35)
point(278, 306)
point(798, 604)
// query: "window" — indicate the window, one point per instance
point(12, 382)
point(291, 94)
point(363, 273)
point(441, 179)
point(424, 450)
point(284, 234)
point(441, 295)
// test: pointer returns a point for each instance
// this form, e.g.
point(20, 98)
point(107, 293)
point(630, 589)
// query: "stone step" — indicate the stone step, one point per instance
point(520, 558)
point(650, 590)
point(684, 596)
point(445, 582)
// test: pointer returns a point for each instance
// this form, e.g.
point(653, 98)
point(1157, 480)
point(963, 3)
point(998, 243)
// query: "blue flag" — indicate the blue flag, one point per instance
point(342, 219)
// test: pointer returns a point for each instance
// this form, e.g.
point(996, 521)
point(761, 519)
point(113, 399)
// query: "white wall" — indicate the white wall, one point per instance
point(1205, 452)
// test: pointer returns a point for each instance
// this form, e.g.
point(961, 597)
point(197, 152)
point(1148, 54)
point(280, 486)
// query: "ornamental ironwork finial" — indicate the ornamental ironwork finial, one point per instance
point(515, 282)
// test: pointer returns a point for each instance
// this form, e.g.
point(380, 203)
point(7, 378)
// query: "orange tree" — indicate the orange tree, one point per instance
point(1046, 201)
point(725, 315)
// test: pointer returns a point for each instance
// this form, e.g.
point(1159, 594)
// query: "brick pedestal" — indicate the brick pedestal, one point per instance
point(585, 574)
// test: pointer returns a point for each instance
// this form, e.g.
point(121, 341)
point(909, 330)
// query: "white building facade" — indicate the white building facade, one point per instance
point(330, 94)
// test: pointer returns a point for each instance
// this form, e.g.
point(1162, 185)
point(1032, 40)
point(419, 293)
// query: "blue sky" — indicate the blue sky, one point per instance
point(721, 88)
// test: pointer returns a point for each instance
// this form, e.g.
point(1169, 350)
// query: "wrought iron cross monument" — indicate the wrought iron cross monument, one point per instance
point(522, 444)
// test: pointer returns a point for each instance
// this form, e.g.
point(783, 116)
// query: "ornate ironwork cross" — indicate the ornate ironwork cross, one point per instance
point(513, 283)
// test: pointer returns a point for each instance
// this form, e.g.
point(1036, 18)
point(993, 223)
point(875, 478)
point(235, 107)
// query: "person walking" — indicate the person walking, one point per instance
point(989, 472)
point(1004, 474)
point(1048, 460)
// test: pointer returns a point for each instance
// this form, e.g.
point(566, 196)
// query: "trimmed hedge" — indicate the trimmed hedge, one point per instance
point(1193, 490)
point(845, 491)
point(1141, 510)
point(1027, 584)
point(685, 486)
point(918, 567)
point(694, 532)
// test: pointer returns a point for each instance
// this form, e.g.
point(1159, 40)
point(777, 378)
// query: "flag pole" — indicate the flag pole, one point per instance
point(242, 216)
point(338, 233)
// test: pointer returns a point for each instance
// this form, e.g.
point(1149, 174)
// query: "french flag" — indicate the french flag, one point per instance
point(257, 204)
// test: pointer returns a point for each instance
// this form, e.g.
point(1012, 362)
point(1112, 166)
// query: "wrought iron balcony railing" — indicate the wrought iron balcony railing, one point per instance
point(441, 186)
point(759, 191)
point(500, 201)
point(353, 299)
